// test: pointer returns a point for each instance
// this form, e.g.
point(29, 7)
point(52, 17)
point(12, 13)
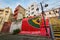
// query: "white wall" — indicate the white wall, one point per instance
point(35, 7)
point(15, 26)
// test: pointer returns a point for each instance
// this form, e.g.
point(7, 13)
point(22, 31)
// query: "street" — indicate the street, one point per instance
point(21, 37)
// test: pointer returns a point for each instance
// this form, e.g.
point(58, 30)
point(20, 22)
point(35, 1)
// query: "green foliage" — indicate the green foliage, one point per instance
point(16, 31)
point(55, 22)
point(56, 28)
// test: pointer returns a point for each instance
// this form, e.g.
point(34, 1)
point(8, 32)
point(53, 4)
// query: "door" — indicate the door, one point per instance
point(6, 27)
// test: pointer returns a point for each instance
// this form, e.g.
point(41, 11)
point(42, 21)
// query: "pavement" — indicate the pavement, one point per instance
point(22, 37)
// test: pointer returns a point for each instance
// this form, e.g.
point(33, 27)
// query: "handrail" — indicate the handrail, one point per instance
point(51, 32)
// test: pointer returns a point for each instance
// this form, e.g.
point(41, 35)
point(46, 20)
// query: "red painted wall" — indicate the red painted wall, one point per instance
point(28, 29)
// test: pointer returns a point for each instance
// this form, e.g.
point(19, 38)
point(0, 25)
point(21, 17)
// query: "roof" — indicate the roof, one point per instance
point(21, 7)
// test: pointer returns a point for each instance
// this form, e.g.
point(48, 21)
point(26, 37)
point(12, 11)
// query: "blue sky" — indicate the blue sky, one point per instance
point(13, 3)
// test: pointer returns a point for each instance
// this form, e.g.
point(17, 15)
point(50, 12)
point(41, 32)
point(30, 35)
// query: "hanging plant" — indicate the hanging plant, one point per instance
point(16, 31)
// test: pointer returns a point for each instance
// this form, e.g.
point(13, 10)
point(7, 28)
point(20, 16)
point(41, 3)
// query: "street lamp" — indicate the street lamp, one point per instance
point(46, 5)
point(43, 15)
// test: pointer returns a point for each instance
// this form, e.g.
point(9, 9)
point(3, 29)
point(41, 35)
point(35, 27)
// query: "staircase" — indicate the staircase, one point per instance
point(55, 22)
point(56, 31)
point(57, 35)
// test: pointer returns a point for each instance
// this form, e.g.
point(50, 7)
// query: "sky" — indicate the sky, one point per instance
point(25, 3)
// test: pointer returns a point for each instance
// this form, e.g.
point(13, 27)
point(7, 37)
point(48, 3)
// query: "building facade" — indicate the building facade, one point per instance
point(19, 12)
point(33, 10)
point(53, 12)
point(4, 16)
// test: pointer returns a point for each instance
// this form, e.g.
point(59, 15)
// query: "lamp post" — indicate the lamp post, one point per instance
point(43, 15)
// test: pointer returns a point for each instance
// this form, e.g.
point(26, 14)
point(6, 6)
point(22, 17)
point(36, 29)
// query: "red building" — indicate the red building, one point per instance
point(19, 10)
point(16, 12)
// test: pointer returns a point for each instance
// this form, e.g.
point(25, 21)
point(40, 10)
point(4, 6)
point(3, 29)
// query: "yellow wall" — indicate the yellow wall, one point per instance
point(1, 27)
point(5, 16)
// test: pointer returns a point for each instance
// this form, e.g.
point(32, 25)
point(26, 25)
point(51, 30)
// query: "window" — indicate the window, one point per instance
point(49, 12)
point(32, 12)
point(1, 10)
point(37, 9)
point(32, 5)
point(16, 10)
point(32, 9)
point(34, 15)
point(7, 12)
point(56, 11)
